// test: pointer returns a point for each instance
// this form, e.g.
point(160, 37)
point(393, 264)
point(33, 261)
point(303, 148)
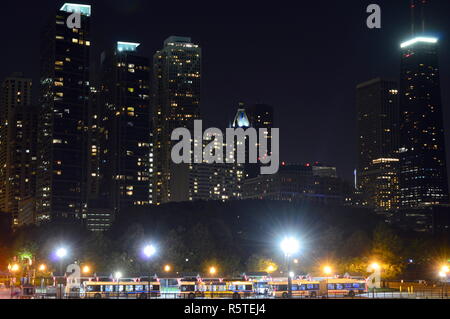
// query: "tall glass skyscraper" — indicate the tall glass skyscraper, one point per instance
point(125, 148)
point(176, 103)
point(63, 116)
point(423, 168)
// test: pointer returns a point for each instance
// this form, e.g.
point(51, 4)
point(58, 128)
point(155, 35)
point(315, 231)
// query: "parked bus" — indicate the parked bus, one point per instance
point(218, 288)
point(122, 289)
point(342, 287)
point(300, 288)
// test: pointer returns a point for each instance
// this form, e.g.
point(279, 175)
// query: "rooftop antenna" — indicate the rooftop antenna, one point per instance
point(422, 12)
point(412, 7)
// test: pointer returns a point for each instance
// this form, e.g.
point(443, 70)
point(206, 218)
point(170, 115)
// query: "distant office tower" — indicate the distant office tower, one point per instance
point(124, 112)
point(378, 138)
point(63, 116)
point(17, 147)
point(423, 168)
point(176, 94)
point(297, 183)
point(258, 116)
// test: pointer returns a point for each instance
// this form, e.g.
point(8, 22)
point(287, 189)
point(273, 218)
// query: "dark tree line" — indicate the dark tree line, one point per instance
point(235, 237)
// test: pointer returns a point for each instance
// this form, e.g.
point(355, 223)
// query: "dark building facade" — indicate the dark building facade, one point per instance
point(423, 165)
point(298, 183)
point(124, 145)
point(63, 116)
point(17, 147)
point(378, 142)
point(176, 104)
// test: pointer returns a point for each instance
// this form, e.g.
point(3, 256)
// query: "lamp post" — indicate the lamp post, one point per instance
point(327, 270)
point(118, 276)
point(13, 269)
point(149, 251)
point(61, 253)
point(443, 275)
point(289, 246)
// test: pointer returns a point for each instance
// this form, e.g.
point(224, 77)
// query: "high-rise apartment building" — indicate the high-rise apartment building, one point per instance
point(63, 116)
point(126, 159)
point(378, 138)
point(176, 103)
point(17, 146)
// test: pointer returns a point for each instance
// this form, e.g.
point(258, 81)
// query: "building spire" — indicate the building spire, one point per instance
point(413, 7)
point(417, 8)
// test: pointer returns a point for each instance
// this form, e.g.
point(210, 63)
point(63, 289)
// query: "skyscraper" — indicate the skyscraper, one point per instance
point(17, 145)
point(176, 103)
point(63, 116)
point(126, 157)
point(423, 165)
point(378, 137)
point(257, 116)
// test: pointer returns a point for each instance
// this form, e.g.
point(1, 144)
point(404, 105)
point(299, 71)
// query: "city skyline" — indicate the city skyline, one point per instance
point(310, 99)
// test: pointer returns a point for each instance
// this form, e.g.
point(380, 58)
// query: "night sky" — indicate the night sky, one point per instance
point(305, 59)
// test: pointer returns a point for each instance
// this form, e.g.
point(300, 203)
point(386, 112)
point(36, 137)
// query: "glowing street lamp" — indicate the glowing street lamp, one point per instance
point(375, 266)
point(61, 252)
point(327, 270)
point(167, 268)
point(86, 269)
point(271, 269)
point(149, 251)
point(14, 268)
point(445, 269)
point(42, 267)
point(212, 270)
point(289, 246)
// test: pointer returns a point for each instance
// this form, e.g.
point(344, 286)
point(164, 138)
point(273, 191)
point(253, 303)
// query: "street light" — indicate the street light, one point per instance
point(375, 266)
point(271, 269)
point(289, 246)
point(118, 275)
point(149, 251)
point(13, 269)
point(167, 268)
point(42, 267)
point(86, 269)
point(212, 270)
point(61, 253)
point(327, 270)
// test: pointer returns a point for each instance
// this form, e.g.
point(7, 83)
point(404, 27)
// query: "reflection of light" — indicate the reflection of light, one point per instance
point(418, 39)
point(442, 274)
point(290, 246)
